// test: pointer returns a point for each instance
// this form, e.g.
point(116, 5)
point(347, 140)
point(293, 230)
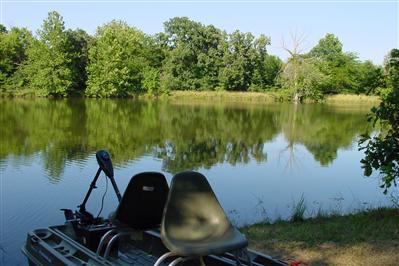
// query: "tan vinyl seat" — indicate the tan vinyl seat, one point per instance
point(194, 223)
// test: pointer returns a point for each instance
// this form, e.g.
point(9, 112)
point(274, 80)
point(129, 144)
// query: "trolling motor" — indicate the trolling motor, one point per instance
point(88, 228)
point(82, 215)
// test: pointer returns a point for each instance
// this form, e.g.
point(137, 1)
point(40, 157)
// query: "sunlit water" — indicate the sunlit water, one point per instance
point(260, 159)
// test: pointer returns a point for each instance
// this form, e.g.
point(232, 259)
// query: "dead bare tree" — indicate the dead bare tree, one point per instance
point(291, 70)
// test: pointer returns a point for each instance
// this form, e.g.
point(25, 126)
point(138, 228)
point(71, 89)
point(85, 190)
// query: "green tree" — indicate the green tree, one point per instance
point(391, 68)
point(13, 45)
point(117, 58)
point(193, 55)
point(3, 29)
point(266, 67)
point(370, 77)
point(382, 149)
point(341, 69)
point(238, 66)
point(151, 80)
point(51, 65)
point(78, 45)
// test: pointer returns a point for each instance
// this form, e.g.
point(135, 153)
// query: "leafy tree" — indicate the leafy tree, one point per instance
point(3, 29)
point(328, 49)
point(78, 45)
point(391, 67)
point(272, 67)
point(382, 150)
point(238, 64)
point(266, 67)
point(13, 45)
point(340, 68)
point(116, 61)
point(151, 80)
point(51, 67)
point(370, 77)
point(194, 55)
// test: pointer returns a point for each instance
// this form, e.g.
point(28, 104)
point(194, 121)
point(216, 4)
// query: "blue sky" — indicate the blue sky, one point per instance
point(368, 28)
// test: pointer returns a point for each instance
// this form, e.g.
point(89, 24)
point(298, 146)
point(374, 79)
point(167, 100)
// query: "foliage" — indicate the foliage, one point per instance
point(78, 45)
point(193, 55)
point(391, 67)
point(55, 61)
point(370, 78)
point(151, 81)
point(116, 61)
point(340, 68)
point(302, 78)
point(13, 45)
point(120, 60)
point(382, 150)
point(299, 210)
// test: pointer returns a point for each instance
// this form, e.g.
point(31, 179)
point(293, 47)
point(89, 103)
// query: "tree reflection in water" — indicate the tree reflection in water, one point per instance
point(183, 136)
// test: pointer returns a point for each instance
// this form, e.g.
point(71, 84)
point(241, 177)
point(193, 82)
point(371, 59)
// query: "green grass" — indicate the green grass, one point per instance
point(335, 240)
point(352, 98)
point(218, 96)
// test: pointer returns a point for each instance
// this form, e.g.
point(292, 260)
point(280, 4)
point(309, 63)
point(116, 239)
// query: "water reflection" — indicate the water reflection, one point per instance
point(243, 150)
point(183, 136)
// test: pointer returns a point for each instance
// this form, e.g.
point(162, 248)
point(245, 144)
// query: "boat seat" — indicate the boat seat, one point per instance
point(143, 202)
point(140, 208)
point(194, 224)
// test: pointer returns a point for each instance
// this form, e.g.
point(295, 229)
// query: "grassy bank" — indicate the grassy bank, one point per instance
point(220, 96)
point(365, 238)
point(224, 96)
point(352, 98)
point(262, 97)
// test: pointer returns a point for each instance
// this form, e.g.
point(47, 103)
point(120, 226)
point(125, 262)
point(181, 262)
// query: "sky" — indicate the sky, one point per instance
point(368, 28)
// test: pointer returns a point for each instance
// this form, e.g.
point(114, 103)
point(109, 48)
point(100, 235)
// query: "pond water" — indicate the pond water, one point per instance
point(259, 158)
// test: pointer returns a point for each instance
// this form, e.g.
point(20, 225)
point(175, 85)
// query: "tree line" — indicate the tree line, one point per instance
point(120, 61)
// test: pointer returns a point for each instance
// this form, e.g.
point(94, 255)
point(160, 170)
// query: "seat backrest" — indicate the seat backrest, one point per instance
point(143, 202)
point(192, 211)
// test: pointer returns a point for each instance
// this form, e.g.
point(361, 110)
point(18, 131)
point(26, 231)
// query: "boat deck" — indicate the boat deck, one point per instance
point(58, 245)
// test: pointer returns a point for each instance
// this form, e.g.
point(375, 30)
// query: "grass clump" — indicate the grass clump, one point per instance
point(298, 211)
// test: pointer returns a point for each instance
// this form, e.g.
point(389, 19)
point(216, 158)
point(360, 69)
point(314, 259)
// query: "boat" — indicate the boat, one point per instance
point(154, 224)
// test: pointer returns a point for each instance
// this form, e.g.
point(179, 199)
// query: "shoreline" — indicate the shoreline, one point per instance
point(220, 96)
point(368, 237)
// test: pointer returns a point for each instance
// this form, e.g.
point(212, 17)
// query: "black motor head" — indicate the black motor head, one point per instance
point(104, 161)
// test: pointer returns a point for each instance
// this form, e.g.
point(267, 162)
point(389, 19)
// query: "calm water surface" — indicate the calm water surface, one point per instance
point(260, 159)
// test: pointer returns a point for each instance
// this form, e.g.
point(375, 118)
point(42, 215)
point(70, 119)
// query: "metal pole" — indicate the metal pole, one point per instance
point(82, 207)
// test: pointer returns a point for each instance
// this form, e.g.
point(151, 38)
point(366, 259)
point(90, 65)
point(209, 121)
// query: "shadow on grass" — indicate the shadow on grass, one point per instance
point(354, 239)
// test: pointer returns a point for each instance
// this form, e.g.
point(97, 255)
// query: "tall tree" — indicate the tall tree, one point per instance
point(340, 68)
point(391, 68)
point(78, 47)
point(117, 59)
point(13, 45)
point(299, 76)
point(51, 64)
point(244, 62)
point(369, 77)
point(194, 55)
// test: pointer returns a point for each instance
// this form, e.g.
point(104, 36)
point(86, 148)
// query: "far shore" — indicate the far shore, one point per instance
point(259, 97)
point(227, 96)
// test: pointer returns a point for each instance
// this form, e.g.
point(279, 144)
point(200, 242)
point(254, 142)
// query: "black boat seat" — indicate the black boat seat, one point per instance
point(140, 208)
point(194, 223)
point(143, 202)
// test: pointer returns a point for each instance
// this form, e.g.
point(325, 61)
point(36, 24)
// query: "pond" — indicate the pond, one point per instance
point(260, 158)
